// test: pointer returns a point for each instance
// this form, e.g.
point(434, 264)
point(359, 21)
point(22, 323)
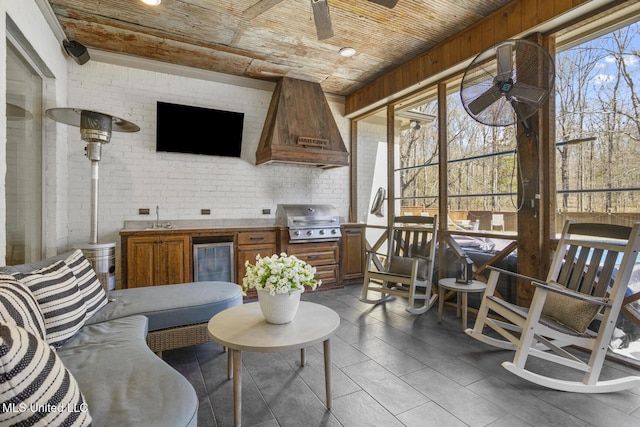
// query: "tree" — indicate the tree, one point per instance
point(574, 75)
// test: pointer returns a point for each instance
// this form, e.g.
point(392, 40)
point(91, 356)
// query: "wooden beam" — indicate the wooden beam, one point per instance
point(353, 173)
point(531, 259)
point(512, 20)
point(547, 202)
point(443, 171)
point(391, 166)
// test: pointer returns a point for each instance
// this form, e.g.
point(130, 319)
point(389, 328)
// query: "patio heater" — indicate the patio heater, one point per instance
point(95, 130)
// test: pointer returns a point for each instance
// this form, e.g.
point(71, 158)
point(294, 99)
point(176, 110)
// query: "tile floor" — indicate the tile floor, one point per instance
point(392, 369)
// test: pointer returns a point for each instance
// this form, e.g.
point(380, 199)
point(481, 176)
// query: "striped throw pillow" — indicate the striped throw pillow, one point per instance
point(35, 387)
point(94, 295)
point(19, 307)
point(56, 290)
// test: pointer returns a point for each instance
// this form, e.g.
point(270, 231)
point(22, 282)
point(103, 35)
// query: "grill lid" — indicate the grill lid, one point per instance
point(303, 215)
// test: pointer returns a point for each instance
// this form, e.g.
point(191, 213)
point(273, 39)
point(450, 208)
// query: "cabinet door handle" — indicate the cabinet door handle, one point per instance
point(313, 256)
point(256, 238)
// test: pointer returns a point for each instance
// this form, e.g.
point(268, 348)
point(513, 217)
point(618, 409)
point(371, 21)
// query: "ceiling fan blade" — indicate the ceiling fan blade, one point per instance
point(479, 104)
point(504, 56)
point(527, 93)
point(259, 8)
point(322, 19)
point(387, 3)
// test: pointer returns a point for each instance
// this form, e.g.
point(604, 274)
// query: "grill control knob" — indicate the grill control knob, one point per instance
point(334, 231)
point(296, 233)
point(309, 233)
point(321, 232)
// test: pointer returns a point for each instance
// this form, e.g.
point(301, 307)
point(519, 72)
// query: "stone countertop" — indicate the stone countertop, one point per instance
point(197, 224)
point(137, 226)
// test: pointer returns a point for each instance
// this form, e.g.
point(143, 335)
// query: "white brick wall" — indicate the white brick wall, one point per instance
point(133, 175)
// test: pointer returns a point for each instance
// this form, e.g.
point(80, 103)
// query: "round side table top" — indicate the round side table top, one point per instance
point(243, 327)
point(473, 286)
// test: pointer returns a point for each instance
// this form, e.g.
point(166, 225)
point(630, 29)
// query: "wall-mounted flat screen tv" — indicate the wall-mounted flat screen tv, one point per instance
point(197, 130)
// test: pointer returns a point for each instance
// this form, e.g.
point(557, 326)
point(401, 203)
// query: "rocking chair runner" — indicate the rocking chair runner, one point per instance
point(587, 280)
point(408, 268)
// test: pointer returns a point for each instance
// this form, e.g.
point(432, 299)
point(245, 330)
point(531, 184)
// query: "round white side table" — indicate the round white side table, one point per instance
point(459, 288)
point(243, 328)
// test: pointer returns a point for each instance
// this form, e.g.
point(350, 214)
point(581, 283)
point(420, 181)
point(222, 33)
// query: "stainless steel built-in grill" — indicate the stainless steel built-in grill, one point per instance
point(309, 223)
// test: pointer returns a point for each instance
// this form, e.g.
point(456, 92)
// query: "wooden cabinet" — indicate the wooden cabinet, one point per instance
point(324, 256)
point(352, 253)
point(151, 258)
point(157, 260)
point(250, 244)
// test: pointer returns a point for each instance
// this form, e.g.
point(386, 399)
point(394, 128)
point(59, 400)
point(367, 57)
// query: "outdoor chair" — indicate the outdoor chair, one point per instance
point(407, 269)
point(497, 221)
point(577, 306)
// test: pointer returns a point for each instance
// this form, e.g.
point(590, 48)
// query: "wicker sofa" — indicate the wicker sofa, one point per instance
point(111, 355)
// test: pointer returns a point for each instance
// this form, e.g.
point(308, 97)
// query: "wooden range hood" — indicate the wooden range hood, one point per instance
point(300, 128)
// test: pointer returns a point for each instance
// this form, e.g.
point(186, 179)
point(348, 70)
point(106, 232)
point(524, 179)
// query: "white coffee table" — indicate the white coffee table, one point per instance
point(459, 288)
point(243, 328)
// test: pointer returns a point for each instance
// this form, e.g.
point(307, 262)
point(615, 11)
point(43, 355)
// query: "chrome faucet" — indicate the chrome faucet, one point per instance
point(157, 223)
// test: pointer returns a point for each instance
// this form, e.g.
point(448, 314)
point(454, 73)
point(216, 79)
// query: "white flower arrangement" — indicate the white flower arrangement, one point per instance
point(279, 274)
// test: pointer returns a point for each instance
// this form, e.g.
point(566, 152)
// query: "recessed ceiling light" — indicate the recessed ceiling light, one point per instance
point(347, 52)
point(151, 2)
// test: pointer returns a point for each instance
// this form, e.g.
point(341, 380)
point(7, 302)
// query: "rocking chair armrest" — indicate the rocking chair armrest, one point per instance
point(426, 258)
point(604, 302)
point(413, 256)
point(369, 251)
point(518, 275)
point(631, 298)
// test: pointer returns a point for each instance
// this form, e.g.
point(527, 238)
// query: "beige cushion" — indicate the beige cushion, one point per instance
point(402, 266)
point(573, 313)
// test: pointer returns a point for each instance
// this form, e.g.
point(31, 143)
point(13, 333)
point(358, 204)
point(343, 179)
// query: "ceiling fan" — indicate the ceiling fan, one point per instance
point(321, 16)
point(507, 83)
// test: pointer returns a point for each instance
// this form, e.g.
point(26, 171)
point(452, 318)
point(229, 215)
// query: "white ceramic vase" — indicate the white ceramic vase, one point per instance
point(279, 308)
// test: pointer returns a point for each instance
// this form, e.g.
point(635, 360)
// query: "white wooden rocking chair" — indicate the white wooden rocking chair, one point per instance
point(408, 267)
point(587, 280)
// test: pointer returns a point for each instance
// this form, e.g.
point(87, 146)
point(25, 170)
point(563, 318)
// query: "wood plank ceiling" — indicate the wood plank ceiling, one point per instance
point(213, 35)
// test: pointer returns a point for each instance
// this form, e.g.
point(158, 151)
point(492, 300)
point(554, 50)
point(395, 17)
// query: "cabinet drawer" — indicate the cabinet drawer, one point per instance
point(315, 253)
point(256, 237)
point(327, 273)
